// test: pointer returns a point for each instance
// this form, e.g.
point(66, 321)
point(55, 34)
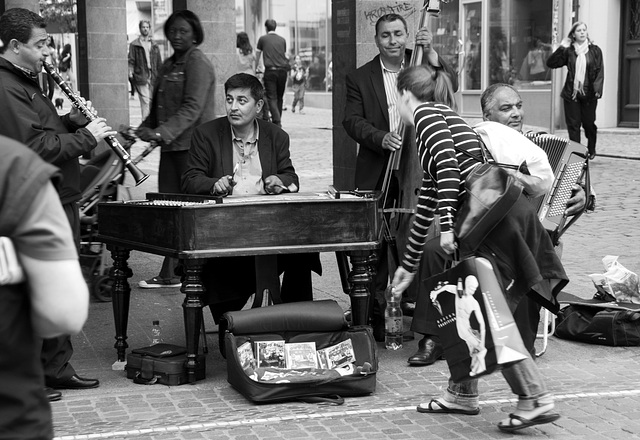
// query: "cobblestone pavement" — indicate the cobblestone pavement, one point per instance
point(597, 387)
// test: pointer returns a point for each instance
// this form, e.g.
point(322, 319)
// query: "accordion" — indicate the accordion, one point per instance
point(568, 160)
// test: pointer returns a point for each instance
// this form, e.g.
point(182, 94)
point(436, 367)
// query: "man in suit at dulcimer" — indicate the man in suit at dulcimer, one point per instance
point(242, 155)
point(371, 119)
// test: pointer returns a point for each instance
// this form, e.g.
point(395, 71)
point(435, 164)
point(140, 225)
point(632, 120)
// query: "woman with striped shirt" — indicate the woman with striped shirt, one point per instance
point(519, 245)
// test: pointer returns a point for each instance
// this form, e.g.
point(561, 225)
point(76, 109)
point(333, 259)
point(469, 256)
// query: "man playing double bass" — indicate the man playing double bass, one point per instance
point(372, 119)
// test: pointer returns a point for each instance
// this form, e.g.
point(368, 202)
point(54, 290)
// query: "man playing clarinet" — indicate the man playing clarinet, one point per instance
point(58, 140)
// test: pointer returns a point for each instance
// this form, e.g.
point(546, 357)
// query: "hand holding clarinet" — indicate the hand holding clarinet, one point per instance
point(98, 126)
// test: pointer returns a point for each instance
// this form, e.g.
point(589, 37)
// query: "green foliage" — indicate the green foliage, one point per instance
point(61, 12)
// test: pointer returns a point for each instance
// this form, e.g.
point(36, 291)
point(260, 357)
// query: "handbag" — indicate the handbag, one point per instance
point(475, 325)
point(613, 327)
point(164, 364)
point(491, 193)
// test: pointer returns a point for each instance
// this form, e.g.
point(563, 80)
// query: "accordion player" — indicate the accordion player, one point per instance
point(551, 166)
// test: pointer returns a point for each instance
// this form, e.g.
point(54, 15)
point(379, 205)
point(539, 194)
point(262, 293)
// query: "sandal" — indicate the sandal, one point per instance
point(435, 406)
point(525, 423)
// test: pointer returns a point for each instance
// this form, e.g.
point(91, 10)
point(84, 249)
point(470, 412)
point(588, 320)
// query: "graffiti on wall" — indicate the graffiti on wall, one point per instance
point(405, 9)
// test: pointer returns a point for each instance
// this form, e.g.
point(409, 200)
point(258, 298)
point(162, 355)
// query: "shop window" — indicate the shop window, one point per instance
point(446, 36)
point(520, 43)
point(472, 68)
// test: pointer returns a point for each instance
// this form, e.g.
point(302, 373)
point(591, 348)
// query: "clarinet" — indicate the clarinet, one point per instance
point(115, 145)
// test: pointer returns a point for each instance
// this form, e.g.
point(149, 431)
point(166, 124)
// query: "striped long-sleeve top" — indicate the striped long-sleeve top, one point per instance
point(438, 129)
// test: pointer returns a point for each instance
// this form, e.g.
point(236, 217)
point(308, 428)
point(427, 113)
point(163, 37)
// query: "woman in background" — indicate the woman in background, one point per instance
point(299, 78)
point(65, 65)
point(246, 56)
point(53, 60)
point(583, 86)
point(183, 98)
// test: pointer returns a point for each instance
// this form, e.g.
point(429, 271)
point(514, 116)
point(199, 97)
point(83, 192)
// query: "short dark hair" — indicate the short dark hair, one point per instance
point(270, 24)
point(389, 18)
point(245, 81)
point(18, 23)
point(142, 22)
point(488, 96)
point(190, 18)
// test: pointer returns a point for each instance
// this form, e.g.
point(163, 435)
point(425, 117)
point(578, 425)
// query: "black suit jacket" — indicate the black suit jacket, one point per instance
point(366, 118)
point(211, 155)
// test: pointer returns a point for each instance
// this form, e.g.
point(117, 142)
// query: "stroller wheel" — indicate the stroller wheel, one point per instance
point(102, 288)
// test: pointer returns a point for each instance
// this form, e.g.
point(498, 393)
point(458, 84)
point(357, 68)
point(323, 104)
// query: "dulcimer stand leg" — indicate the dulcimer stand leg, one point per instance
point(362, 279)
point(121, 296)
point(193, 289)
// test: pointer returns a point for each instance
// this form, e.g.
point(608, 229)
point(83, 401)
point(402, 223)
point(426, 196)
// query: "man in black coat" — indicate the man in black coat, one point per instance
point(57, 140)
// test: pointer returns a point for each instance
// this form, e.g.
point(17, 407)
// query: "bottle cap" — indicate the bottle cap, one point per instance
point(156, 322)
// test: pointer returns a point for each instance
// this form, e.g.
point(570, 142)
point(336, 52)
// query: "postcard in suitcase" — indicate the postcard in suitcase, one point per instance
point(298, 351)
point(161, 363)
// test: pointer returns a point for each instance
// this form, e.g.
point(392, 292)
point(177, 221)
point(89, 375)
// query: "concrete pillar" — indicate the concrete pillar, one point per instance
point(354, 45)
point(102, 58)
point(219, 23)
point(31, 5)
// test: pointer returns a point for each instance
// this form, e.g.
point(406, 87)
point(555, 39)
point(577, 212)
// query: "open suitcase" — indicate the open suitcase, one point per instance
point(320, 322)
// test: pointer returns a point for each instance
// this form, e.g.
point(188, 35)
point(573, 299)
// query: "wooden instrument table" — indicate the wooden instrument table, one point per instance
point(195, 228)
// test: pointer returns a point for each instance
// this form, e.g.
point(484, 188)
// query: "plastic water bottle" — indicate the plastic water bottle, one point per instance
point(156, 333)
point(393, 323)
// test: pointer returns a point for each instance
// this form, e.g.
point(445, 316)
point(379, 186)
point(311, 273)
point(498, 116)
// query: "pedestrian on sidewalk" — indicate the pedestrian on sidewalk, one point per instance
point(52, 300)
point(144, 62)
point(425, 101)
point(584, 83)
point(187, 82)
point(299, 78)
point(273, 49)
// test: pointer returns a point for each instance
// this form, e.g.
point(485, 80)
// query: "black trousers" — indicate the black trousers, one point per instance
point(56, 353)
point(582, 112)
point(275, 82)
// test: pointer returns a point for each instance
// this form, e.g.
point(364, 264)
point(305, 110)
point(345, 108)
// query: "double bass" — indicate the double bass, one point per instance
point(403, 175)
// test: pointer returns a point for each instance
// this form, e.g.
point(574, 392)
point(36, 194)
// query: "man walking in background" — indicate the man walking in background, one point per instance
point(144, 61)
point(276, 67)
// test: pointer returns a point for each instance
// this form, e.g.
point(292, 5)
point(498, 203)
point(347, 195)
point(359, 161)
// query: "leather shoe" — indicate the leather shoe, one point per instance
point(52, 394)
point(76, 382)
point(408, 307)
point(428, 352)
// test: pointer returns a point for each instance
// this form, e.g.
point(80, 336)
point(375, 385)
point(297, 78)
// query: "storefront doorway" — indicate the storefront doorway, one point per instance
point(629, 98)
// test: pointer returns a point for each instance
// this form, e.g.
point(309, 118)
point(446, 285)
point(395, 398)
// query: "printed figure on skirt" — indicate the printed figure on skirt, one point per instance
point(519, 246)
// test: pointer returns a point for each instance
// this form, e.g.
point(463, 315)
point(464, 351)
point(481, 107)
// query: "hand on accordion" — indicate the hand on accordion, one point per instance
point(576, 202)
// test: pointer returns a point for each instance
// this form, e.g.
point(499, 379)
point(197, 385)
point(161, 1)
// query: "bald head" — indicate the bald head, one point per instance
point(502, 103)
